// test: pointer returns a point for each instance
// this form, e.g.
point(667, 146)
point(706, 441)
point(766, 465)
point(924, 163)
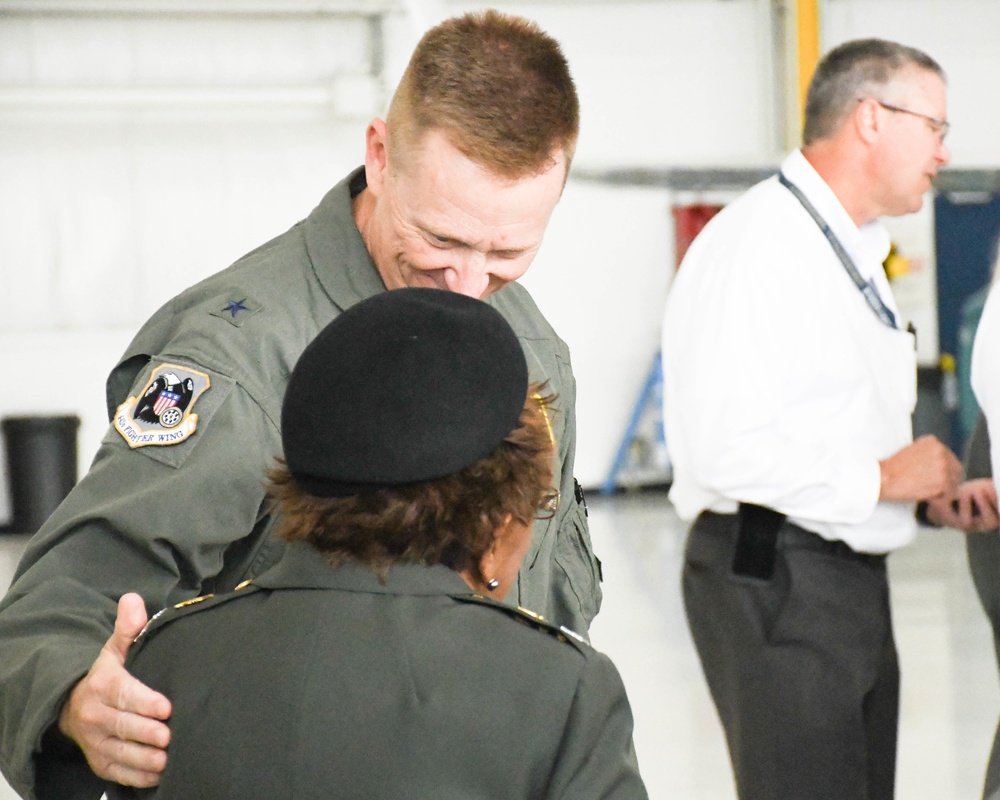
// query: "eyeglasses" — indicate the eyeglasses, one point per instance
point(939, 126)
point(548, 504)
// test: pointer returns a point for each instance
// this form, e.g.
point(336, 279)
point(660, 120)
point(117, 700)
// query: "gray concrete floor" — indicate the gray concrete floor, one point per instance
point(950, 695)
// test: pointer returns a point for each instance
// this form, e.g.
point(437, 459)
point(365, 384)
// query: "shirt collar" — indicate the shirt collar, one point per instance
point(868, 245)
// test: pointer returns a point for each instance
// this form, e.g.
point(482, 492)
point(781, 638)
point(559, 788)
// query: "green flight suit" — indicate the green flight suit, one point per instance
point(180, 520)
point(317, 682)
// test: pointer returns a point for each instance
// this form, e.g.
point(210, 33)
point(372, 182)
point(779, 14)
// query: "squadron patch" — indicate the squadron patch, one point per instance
point(162, 413)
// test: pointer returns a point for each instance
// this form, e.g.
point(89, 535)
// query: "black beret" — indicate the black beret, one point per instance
point(406, 386)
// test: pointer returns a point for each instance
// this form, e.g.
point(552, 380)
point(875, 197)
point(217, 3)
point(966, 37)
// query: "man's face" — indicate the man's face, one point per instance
point(913, 150)
point(443, 221)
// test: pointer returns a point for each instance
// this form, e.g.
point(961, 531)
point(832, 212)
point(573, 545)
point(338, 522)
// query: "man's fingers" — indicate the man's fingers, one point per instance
point(114, 717)
point(989, 516)
point(129, 777)
point(111, 685)
point(984, 491)
point(131, 619)
point(131, 727)
point(924, 469)
point(943, 511)
point(942, 458)
point(106, 725)
point(973, 509)
point(956, 469)
point(135, 697)
point(129, 763)
point(986, 503)
point(119, 689)
point(965, 513)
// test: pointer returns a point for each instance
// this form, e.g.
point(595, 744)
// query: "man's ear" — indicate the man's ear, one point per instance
point(866, 119)
point(376, 155)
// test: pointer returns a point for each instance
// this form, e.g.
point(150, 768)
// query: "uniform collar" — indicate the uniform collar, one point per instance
point(345, 269)
point(340, 260)
point(303, 567)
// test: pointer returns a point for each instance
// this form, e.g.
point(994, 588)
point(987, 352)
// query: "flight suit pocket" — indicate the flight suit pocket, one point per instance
point(574, 555)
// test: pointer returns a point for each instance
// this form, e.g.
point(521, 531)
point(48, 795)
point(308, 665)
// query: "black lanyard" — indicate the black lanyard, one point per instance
point(867, 288)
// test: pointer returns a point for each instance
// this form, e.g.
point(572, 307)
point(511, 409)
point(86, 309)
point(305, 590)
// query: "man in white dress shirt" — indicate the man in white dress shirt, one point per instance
point(789, 386)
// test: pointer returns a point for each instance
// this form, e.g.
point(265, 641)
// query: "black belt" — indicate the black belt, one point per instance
point(792, 536)
point(760, 532)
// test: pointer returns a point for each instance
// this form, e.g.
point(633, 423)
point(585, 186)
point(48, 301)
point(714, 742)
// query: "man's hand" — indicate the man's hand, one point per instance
point(972, 509)
point(923, 470)
point(113, 717)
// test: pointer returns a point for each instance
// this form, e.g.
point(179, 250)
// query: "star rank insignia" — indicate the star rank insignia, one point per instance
point(235, 309)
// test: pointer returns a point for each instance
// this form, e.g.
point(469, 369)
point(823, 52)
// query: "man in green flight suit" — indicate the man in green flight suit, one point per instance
point(456, 191)
point(375, 661)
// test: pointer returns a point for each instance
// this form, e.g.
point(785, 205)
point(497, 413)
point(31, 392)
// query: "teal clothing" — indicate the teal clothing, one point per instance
point(317, 682)
point(178, 520)
point(968, 407)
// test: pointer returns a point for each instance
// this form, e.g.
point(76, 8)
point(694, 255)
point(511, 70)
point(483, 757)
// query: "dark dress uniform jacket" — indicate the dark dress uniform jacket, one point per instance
point(317, 682)
point(185, 519)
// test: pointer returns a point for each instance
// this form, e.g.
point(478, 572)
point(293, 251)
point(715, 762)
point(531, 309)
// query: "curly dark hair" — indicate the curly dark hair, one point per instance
point(449, 520)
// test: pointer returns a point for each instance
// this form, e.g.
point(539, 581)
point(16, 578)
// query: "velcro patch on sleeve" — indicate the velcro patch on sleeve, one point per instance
point(162, 414)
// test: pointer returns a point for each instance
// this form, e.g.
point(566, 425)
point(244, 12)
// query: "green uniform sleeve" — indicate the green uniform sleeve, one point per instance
point(160, 522)
point(596, 757)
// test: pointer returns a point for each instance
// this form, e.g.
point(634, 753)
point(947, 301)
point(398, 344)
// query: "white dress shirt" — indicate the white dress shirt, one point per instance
point(985, 371)
point(781, 385)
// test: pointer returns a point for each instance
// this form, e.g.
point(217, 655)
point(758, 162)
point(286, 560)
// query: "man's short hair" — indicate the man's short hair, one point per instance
point(497, 86)
point(850, 72)
point(448, 520)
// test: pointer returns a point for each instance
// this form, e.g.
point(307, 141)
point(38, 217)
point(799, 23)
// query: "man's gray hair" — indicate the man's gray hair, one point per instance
point(850, 72)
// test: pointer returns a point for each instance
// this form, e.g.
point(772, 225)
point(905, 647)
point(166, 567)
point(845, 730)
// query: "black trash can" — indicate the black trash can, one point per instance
point(41, 467)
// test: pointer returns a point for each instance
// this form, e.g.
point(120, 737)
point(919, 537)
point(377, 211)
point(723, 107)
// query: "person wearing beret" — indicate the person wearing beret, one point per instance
point(456, 191)
point(375, 660)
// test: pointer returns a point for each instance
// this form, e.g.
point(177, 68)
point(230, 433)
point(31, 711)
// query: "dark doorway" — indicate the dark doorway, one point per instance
point(966, 226)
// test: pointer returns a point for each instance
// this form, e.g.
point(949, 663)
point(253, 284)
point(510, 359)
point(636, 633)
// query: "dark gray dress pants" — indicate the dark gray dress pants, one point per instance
point(984, 563)
point(802, 668)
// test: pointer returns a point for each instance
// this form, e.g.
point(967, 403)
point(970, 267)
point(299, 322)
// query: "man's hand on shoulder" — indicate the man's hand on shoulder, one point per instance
point(116, 720)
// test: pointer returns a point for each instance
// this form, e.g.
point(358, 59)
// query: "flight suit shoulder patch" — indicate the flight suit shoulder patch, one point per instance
point(162, 412)
point(170, 402)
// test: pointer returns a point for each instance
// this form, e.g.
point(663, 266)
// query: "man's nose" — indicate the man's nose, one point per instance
point(943, 153)
point(468, 275)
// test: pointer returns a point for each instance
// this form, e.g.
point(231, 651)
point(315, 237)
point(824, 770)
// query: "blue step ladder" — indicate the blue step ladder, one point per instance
point(648, 409)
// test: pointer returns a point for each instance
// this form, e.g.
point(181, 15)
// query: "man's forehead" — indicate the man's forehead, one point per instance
point(434, 143)
point(913, 79)
point(519, 235)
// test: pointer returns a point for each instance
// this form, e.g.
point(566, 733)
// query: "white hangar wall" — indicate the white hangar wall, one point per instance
point(142, 152)
point(701, 89)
